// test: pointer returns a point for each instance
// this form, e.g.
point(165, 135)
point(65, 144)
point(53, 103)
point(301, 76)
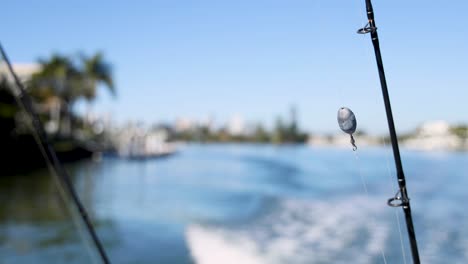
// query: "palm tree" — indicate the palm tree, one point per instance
point(60, 79)
point(96, 71)
point(54, 82)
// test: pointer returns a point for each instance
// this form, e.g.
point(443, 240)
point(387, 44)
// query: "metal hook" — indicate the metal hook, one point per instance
point(366, 29)
point(353, 142)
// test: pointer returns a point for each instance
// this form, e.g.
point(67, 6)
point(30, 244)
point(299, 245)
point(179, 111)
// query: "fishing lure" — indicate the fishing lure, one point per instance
point(347, 122)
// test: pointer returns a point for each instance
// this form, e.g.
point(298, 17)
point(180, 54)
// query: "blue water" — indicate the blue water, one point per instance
point(242, 204)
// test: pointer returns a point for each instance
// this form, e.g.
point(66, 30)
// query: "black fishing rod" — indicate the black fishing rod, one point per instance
point(401, 198)
point(49, 154)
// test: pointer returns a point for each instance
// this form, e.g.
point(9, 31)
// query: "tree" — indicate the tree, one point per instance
point(62, 79)
point(95, 72)
point(278, 132)
point(260, 134)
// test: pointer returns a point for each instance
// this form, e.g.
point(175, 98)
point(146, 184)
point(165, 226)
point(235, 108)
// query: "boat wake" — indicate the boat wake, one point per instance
point(296, 231)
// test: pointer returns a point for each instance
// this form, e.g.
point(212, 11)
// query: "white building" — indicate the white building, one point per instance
point(236, 126)
point(24, 71)
point(183, 124)
point(434, 128)
point(434, 135)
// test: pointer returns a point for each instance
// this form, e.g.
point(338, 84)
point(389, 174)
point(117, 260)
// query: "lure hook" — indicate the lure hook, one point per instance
point(353, 143)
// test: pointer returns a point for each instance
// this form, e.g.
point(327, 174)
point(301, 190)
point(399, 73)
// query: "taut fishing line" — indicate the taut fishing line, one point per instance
point(61, 177)
point(364, 185)
point(401, 198)
point(348, 123)
point(397, 215)
point(366, 50)
point(60, 188)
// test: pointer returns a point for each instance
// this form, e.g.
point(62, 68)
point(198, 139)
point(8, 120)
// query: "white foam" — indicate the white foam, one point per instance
point(296, 232)
point(214, 247)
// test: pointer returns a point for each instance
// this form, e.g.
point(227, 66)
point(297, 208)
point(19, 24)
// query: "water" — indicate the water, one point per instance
point(241, 204)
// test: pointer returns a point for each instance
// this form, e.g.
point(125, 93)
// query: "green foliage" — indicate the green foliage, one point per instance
point(64, 80)
point(56, 78)
point(278, 132)
point(283, 132)
point(8, 111)
point(260, 134)
point(288, 133)
point(461, 131)
point(96, 70)
point(62, 77)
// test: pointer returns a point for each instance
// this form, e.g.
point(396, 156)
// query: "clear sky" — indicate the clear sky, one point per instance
point(256, 58)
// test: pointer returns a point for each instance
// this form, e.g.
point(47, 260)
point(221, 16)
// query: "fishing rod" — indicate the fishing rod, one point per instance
point(49, 154)
point(401, 198)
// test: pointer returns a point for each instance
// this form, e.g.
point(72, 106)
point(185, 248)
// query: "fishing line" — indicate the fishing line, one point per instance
point(82, 235)
point(54, 165)
point(403, 252)
point(348, 124)
point(60, 188)
point(365, 50)
point(364, 185)
point(401, 198)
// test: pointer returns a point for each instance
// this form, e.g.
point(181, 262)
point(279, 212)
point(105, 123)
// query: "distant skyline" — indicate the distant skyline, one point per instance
point(255, 59)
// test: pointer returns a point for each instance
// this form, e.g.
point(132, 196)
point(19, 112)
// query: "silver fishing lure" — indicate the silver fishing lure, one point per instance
point(348, 123)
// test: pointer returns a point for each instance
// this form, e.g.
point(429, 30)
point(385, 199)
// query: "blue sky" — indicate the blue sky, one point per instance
point(256, 58)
